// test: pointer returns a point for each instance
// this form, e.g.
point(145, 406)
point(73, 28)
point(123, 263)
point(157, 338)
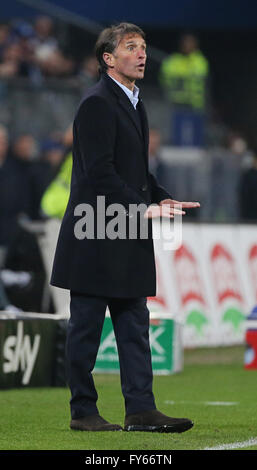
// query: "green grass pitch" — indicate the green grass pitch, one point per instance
point(214, 390)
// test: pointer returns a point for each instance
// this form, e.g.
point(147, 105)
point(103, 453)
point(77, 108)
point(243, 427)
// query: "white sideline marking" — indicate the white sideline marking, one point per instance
point(235, 445)
point(221, 403)
point(207, 403)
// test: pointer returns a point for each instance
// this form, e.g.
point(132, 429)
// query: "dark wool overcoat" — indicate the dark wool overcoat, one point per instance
point(110, 159)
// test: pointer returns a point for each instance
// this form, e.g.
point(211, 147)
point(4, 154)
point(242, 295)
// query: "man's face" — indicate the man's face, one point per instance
point(188, 44)
point(129, 58)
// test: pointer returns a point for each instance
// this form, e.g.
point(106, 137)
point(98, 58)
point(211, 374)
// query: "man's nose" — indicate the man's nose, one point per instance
point(142, 54)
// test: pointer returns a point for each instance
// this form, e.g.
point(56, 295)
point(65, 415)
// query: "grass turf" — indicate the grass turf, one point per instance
point(38, 419)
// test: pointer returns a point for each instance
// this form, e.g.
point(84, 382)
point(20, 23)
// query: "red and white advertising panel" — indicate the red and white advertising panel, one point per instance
point(209, 283)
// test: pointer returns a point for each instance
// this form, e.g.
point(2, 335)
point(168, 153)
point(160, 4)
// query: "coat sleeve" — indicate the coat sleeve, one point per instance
point(157, 191)
point(95, 128)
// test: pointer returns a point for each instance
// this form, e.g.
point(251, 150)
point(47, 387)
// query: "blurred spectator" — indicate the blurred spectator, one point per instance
point(155, 164)
point(33, 51)
point(23, 34)
point(17, 60)
point(183, 74)
point(88, 72)
point(56, 64)
point(16, 53)
point(48, 55)
point(52, 155)
point(25, 148)
point(183, 77)
point(56, 196)
point(158, 168)
point(236, 143)
point(43, 171)
point(44, 42)
point(11, 60)
point(248, 192)
point(16, 194)
point(21, 28)
point(67, 139)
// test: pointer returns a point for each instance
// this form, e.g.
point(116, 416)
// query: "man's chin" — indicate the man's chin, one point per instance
point(140, 75)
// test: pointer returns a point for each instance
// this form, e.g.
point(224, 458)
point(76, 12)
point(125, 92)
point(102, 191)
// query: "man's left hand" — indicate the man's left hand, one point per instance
point(182, 205)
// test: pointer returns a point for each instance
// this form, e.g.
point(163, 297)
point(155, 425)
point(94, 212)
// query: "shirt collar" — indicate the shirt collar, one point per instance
point(132, 95)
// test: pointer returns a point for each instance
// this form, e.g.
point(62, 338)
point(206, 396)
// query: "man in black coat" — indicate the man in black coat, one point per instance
point(102, 268)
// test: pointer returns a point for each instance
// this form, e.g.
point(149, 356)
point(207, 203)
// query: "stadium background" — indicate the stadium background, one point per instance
point(207, 155)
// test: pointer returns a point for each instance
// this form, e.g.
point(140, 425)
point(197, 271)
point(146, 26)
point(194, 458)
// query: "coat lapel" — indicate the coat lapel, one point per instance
point(126, 104)
point(124, 101)
point(145, 126)
point(131, 112)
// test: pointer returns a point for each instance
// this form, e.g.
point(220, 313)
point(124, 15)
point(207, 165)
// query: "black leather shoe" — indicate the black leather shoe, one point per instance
point(93, 423)
point(155, 421)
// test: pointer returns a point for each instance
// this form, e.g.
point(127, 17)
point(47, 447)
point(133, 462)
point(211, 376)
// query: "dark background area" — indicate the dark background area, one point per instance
point(232, 57)
point(227, 32)
point(228, 14)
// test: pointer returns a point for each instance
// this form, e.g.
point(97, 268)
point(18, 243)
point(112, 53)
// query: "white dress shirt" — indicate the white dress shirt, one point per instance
point(132, 95)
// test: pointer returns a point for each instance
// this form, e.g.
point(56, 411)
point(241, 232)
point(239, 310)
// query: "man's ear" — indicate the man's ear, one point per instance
point(109, 59)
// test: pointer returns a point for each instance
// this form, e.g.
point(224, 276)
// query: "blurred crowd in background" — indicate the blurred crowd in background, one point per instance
point(34, 51)
point(40, 79)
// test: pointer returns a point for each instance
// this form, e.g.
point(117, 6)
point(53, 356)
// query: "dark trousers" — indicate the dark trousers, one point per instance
point(130, 318)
